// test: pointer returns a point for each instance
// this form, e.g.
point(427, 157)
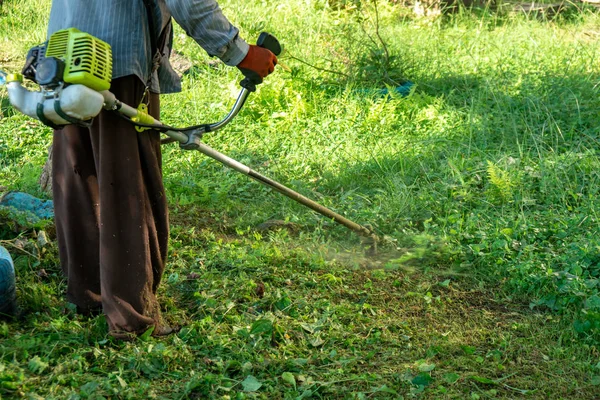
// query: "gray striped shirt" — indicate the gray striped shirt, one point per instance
point(124, 25)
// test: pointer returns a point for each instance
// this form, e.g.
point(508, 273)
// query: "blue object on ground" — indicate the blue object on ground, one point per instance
point(8, 296)
point(43, 209)
point(402, 90)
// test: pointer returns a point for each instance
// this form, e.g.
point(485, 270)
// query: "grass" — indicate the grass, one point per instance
point(485, 179)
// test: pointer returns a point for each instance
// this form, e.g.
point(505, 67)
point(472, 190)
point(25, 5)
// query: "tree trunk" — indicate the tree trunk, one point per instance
point(46, 177)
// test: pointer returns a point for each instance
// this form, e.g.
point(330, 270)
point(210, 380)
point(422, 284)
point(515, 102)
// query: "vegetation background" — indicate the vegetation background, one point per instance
point(485, 179)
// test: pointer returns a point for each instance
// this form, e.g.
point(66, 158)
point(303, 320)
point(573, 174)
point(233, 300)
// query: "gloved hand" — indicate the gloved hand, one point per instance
point(258, 60)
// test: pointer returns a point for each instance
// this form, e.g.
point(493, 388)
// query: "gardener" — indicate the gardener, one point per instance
point(110, 204)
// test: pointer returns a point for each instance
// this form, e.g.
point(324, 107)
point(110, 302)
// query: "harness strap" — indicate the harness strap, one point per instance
point(39, 111)
point(157, 44)
point(68, 118)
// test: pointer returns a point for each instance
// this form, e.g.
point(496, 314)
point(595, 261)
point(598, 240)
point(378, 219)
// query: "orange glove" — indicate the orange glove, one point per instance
point(259, 60)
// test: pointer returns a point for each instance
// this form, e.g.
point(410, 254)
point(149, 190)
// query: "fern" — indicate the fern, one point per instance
point(501, 181)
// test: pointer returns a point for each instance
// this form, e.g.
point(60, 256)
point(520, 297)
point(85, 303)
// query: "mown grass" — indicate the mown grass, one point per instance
point(485, 179)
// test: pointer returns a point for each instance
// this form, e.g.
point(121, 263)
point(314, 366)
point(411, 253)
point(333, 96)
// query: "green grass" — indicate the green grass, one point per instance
point(485, 179)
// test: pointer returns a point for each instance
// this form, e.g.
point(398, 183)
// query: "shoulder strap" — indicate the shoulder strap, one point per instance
point(156, 44)
point(151, 28)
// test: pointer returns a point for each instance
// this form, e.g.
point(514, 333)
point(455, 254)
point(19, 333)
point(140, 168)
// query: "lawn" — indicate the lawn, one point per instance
point(484, 180)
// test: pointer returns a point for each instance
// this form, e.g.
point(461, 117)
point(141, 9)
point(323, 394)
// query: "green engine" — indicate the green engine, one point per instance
point(71, 57)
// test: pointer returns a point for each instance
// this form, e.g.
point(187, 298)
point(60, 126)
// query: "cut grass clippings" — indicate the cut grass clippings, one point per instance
point(277, 313)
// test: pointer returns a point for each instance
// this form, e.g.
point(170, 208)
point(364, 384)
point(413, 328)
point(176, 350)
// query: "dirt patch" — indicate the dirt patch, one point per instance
point(193, 216)
point(484, 301)
point(180, 63)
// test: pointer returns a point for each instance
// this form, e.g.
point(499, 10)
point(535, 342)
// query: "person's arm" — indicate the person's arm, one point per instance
point(204, 21)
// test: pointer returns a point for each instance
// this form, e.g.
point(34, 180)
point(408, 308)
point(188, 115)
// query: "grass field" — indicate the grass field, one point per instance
point(484, 179)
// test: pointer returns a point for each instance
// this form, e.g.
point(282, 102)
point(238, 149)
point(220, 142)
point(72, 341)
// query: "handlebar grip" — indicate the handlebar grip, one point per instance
point(269, 42)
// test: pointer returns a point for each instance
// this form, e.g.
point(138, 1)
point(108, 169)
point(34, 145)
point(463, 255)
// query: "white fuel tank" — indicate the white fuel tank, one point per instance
point(77, 101)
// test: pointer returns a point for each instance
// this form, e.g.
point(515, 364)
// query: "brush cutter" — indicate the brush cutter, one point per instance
point(74, 70)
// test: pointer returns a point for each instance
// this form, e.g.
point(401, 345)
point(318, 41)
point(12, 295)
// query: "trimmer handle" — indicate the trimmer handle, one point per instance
point(269, 42)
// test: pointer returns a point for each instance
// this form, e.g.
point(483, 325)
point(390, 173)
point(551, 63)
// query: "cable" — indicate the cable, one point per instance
point(164, 128)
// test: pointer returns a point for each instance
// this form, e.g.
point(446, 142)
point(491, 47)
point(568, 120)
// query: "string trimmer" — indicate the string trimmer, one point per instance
point(73, 70)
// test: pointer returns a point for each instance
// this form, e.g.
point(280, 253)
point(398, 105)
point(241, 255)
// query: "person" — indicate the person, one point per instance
point(8, 300)
point(110, 206)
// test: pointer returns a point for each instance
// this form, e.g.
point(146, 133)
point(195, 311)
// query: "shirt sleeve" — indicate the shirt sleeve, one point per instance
point(204, 21)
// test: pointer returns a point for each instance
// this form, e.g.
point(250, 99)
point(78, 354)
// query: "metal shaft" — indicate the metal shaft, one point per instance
point(236, 165)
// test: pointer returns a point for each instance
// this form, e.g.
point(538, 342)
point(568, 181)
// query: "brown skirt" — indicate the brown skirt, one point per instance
point(111, 214)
